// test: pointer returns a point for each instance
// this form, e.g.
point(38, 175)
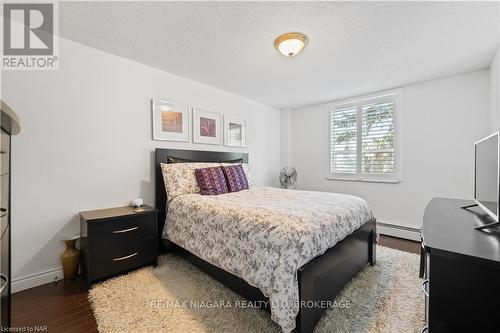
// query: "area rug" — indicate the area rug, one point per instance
point(177, 297)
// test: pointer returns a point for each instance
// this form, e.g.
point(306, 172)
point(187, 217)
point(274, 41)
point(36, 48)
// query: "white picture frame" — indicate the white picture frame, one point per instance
point(235, 132)
point(170, 121)
point(207, 127)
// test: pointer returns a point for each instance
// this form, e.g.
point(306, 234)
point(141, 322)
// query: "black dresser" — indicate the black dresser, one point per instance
point(461, 267)
point(9, 127)
point(116, 240)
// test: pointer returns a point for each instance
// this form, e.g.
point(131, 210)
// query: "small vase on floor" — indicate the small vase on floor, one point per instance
point(70, 258)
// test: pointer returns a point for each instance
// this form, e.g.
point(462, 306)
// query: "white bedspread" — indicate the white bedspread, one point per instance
point(263, 235)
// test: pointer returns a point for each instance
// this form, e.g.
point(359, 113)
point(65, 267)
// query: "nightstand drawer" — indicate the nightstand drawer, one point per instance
point(121, 230)
point(119, 259)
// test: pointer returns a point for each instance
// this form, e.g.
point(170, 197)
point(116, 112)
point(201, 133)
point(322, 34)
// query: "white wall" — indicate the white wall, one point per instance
point(442, 120)
point(86, 144)
point(286, 138)
point(495, 92)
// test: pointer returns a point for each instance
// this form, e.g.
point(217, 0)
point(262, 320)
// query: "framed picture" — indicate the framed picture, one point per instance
point(170, 121)
point(235, 132)
point(206, 127)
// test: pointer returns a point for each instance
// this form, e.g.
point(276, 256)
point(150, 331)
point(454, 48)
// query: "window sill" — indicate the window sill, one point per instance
point(386, 181)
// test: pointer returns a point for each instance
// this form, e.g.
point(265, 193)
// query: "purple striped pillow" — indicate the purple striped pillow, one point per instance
point(211, 181)
point(235, 177)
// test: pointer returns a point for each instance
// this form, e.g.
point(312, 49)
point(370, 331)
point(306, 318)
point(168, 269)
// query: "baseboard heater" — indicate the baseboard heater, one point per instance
point(400, 231)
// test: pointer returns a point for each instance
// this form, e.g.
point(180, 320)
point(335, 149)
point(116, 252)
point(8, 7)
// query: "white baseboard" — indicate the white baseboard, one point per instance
point(26, 282)
point(392, 229)
point(23, 283)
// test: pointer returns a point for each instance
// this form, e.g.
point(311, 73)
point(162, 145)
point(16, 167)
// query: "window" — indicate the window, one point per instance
point(364, 136)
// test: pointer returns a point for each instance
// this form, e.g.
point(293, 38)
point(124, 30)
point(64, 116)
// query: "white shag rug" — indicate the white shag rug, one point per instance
point(177, 297)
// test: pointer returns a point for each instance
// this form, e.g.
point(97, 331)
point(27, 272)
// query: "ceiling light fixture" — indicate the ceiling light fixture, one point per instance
point(290, 44)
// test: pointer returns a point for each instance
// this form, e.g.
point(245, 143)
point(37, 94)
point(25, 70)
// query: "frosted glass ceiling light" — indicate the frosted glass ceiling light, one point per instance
point(290, 44)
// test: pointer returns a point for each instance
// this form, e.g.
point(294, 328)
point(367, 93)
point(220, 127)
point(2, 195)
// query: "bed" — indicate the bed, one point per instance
point(291, 251)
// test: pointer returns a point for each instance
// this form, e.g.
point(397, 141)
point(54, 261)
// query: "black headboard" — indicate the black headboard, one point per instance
point(179, 156)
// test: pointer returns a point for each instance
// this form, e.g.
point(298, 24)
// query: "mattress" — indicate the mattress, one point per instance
point(264, 234)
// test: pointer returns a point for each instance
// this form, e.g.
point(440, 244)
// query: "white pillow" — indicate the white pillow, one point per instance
point(180, 178)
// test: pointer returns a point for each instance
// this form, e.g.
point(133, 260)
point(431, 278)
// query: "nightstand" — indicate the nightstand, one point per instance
point(117, 240)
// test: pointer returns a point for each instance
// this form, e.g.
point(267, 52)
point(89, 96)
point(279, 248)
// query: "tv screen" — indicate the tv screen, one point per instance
point(486, 175)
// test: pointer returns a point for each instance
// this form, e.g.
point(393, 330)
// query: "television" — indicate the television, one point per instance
point(487, 177)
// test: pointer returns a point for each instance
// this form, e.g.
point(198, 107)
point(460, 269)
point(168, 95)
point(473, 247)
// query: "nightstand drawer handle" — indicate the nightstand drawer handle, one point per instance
point(424, 283)
point(124, 230)
point(126, 257)
point(4, 282)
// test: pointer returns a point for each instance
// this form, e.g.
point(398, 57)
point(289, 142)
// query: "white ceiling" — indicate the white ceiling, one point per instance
point(354, 47)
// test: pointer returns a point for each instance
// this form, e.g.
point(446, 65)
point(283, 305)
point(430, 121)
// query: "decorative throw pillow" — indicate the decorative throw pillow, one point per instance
point(235, 177)
point(248, 173)
point(179, 178)
point(211, 181)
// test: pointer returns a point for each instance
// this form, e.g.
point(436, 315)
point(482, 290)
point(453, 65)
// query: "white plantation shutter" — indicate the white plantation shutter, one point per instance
point(343, 140)
point(377, 154)
point(363, 138)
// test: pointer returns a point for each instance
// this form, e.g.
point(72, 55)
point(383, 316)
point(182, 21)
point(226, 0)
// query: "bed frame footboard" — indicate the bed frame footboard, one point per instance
point(321, 279)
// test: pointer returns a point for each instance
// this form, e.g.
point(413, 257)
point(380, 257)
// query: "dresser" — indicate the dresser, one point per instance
point(461, 269)
point(9, 127)
point(116, 240)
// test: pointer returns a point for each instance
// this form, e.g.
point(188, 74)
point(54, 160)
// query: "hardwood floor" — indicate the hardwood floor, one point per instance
point(399, 244)
point(60, 306)
point(63, 306)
